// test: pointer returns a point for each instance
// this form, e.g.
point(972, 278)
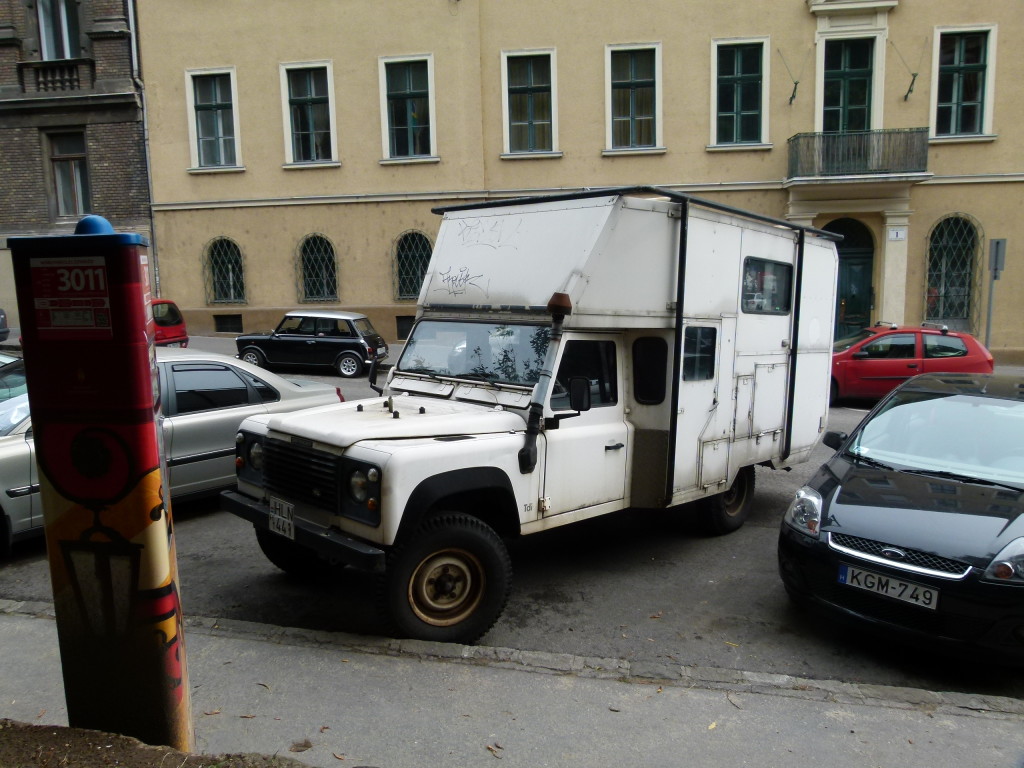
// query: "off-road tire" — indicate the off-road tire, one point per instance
point(447, 582)
point(726, 512)
point(289, 556)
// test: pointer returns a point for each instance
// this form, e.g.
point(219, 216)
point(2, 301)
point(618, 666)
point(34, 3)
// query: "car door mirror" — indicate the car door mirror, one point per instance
point(579, 393)
point(861, 355)
point(372, 376)
point(834, 440)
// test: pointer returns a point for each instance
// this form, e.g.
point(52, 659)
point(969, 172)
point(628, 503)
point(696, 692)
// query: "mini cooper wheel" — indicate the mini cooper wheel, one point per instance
point(349, 365)
point(254, 357)
point(448, 582)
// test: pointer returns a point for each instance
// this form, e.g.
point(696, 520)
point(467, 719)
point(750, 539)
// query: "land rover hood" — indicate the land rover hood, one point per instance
point(406, 417)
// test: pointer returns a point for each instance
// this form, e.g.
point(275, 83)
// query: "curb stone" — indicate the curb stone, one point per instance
point(636, 672)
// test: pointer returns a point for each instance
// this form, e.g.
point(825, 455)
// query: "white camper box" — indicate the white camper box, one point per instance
point(619, 260)
point(572, 356)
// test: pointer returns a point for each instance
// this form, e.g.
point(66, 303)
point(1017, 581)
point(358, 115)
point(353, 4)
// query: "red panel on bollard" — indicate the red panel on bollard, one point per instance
point(87, 332)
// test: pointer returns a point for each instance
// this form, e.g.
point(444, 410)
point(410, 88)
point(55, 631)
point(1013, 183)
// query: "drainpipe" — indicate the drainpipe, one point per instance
point(559, 306)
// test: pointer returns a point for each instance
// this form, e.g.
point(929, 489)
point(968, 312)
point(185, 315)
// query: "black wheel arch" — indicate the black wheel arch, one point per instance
point(483, 492)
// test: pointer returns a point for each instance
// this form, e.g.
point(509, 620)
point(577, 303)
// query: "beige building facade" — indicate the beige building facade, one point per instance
point(297, 150)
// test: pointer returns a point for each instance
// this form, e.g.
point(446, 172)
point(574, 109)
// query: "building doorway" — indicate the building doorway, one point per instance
point(855, 295)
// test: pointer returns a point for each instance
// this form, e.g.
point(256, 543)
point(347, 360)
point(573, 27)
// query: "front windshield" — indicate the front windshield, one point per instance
point(504, 353)
point(841, 345)
point(12, 413)
point(964, 434)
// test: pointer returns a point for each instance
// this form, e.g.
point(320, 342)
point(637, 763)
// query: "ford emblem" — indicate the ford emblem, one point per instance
point(891, 553)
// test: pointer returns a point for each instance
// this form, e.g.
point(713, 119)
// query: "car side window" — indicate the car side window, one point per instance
point(594, 360)
point(334, 328)
point(290, 325)
point(943, 346)
point(207, 386)
point(266, 392)
point(895, 345)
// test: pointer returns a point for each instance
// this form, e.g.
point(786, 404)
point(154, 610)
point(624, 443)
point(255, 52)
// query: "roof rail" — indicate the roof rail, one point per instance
point(943, 329)
point(887, 323)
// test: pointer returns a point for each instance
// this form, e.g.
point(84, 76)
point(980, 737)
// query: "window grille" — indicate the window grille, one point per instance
point(318, 270)
point(412, 255)
point(224, 272)
point(952, 294)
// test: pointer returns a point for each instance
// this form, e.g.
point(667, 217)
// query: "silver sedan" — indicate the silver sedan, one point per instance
point(204, 399)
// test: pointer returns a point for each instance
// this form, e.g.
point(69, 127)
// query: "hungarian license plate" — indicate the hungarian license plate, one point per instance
point(282, 518)
point(907, 591)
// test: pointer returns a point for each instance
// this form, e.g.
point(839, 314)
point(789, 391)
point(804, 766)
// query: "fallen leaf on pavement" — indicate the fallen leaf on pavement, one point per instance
point(212, 712)
point(264, 685)
point(324, 728)
point(494, 750)
point(337, 756)
point(657, 615)
point(301, 746)
point(734, 645)
point(247, 717)
point(713, 726)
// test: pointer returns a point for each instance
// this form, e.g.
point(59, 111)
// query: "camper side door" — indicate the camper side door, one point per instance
point(585, 457)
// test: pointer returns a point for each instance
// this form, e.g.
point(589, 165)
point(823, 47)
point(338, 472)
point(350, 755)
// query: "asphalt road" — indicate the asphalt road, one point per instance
point(642, 586)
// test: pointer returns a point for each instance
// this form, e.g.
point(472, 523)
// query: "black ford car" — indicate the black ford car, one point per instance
point(344, 341)
point(916, 524)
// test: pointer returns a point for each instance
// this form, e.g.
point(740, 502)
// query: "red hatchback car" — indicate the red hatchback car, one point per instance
point(877, 359)
point(170, 325)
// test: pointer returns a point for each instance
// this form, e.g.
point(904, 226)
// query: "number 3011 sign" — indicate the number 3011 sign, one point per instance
point(71, 297)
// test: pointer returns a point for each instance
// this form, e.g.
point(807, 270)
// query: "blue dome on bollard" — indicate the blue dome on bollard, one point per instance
point(93, 225)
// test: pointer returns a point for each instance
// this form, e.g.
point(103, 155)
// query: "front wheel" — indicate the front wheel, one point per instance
point(726, 512)
point(448, 582)
point(289, 556)
point(349, 365)
point(254, 357)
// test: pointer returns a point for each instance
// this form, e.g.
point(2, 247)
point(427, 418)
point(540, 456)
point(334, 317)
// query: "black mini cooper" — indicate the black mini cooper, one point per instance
point(344, 341)
point(916, 524)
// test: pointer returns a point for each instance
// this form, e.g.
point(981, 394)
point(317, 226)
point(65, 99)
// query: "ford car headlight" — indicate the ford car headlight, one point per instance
point(804, 513)
point(1008, 565)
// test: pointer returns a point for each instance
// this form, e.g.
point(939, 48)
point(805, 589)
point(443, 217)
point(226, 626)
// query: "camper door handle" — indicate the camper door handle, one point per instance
point(614, 447)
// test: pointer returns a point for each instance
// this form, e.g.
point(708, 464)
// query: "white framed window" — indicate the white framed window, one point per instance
point(739, 92)
point(963, 82)
point(529, 102)
point(58, 29)
point(69, 169)
point(849, 80)
point(407, 108)
point(307, 102)
point(214, 138)
point(633, 111)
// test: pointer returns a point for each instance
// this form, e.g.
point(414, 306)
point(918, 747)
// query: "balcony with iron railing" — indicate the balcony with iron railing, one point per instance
point(896, 152)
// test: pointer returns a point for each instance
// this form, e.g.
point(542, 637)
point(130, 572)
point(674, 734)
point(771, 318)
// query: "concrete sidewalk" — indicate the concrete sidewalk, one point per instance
point(362, 701)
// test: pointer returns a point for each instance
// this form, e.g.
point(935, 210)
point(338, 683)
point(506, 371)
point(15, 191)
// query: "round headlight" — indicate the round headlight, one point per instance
point(358, 486)
point(256, 456)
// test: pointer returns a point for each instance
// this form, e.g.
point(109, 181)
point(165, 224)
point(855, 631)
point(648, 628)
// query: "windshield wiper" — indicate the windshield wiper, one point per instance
point(422, 370)
point(868, 460)
point(961, 478)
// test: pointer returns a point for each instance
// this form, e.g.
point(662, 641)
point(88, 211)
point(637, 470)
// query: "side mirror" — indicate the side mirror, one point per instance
point(372, 376)
point(834, 440)
point(861, 355)
point(579, 393)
